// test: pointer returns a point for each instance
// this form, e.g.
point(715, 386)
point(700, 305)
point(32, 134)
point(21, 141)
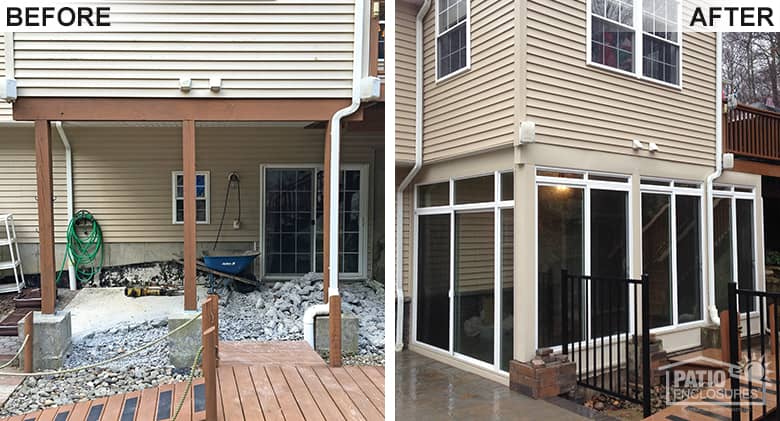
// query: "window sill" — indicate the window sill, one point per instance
point(197, 223)
point(632, 75)
point(452, 75)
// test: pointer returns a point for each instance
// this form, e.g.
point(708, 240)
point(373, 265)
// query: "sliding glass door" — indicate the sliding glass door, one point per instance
point(735, 248)
point(433, 280)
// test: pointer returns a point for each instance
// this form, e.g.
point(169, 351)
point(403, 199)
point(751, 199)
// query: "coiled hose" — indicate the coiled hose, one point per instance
point(86, 253)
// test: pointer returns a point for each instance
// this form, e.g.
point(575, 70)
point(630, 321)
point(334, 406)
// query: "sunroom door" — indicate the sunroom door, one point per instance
point(289, 220)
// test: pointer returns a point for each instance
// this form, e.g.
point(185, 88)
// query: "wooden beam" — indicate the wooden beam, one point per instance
point(43, 167)
point(326, 215)
point(176, 109)
point(28, 348)
point(754, 167)
point(190, 231)
point(334, 325)
point(210, 372)
point(373, 43)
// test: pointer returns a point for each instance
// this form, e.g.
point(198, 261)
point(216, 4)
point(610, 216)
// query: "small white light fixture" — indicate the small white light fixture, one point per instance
point(637, 145)
point(728, 161)
point(370, 88)
point(527, 133)
point(215, 84)
point(653, 147)
point(185, 84)
point(8, 90)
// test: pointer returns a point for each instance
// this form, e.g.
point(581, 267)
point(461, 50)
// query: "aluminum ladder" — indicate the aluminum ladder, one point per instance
point(15, 262)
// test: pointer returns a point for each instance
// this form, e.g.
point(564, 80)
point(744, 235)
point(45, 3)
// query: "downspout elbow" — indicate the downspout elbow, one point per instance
point(308, 321)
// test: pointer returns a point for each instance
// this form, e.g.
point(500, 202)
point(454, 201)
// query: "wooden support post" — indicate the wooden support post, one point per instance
point(190, 233)
point(326, 216)
point(210, 318)
point(335, 331)
point(210, 372)
point(725, 353)
point(373, 43)
point(773, 328)
point(43, 166)
point(28, 349)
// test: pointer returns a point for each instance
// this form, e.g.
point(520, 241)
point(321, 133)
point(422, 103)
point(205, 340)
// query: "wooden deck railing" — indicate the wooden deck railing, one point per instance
point(210, 332)
point(752, 133)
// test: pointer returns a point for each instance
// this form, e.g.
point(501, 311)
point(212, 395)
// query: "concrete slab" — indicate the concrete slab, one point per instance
point(96, 309)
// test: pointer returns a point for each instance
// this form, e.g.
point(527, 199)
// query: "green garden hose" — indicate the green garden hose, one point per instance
point(85, 252)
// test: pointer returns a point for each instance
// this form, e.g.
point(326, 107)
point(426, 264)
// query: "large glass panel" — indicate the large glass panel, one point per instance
point(507, 282)
point(474, 190)
point(689, 261)
point(560, 236)
point(609, 253)
point(746, 267)
point(349, 221)
point(433, 195)
point(656, 255)
point(433, 280)
point(288, 218)
point(723, 249)
point(475, 285)
point(507, 185)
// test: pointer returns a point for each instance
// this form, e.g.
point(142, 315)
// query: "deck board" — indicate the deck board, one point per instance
point(265, 387)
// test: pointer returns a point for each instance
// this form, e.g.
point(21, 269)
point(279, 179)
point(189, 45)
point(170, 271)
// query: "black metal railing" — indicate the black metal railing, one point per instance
point(605, 322)
point(757, 377)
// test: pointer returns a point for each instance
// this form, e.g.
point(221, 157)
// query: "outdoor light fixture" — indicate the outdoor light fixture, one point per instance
point(215, 84)
point(728, 161)
point(527, 132)
point(653, 147)
point(637, 145)
point(185, 84)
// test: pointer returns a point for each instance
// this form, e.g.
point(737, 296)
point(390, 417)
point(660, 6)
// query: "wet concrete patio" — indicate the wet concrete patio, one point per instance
point(430, 390)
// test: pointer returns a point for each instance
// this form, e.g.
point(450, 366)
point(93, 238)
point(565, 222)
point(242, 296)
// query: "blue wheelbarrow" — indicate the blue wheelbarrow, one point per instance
point(231, 265)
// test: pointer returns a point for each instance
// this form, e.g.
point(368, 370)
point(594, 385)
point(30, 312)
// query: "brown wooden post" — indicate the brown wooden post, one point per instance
point(373, 43)
point(190, 233)
point(335, 331)
point(725, 349)
point(28, 349)
point(326, 215)
point(210, 372)
point(45, 214)
point(773, 328)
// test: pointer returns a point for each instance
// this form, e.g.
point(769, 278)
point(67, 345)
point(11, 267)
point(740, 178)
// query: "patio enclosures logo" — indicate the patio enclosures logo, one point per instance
point(703, 381)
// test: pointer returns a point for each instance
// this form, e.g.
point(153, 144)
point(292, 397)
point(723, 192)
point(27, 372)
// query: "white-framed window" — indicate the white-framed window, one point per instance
point(672, 250)
point(638, 37)
point(453, 38)
point(292, 220)
point(202, 197)
point(735, 247)
point(463, 278)
point(582, 225)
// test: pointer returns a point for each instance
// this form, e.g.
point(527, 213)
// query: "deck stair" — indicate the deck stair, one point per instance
point(26, 301)
point(10, 258)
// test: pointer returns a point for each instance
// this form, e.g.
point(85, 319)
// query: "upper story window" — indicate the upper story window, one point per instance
point(452, 36)
point(622, 28)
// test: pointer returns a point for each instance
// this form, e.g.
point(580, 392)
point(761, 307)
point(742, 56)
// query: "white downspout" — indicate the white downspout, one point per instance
point(69, 184)
point(418, 162)
point(335, 138)
point(308, 321)
point(713, 309)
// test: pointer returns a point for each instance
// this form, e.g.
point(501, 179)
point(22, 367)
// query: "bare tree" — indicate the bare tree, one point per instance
point(751, 62)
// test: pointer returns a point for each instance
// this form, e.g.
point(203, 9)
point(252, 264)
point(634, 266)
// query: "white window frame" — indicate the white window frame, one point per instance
point(497, 205)
point(638, 47)
point(436, 44)
point(364, 217)
point(672, 190)
point(586, 184)
point(733, 194)
point(207, 197)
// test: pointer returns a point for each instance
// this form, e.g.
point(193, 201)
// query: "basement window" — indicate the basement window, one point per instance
point(202, 197)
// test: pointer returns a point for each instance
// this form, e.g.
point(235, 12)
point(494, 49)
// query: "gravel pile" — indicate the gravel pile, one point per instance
point(99, 346)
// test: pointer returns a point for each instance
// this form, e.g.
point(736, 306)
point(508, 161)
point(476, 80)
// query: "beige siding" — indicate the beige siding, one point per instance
point(405, 82)
point(5, 108)
point(472, 111)
point(17, 184)
point(580, 106)
point(278, 49)
point(123, 176)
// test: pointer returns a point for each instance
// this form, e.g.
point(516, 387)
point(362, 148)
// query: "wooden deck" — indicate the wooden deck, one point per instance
point(256, 381)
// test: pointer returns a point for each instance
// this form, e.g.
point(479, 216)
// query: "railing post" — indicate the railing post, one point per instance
point(773, 327)
point(725, 342)
point(645, 345)
point(28, 348)
point(210, 372)
point(734, 349)
point(565, 310)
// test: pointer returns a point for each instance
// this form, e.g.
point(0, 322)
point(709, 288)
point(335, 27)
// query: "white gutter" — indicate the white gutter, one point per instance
point(418, 162)
point(308, 321)
point(713, 309)
point(69, 184)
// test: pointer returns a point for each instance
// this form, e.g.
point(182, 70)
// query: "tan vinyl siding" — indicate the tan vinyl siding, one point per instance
point(18, 191)
point(405, 82)
point(473, 111)
point(579, 106)
point(278, 49)
point(5, 108)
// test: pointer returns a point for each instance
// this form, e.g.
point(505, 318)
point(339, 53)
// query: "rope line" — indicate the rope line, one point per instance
point(189, 384)
point(99, 363)
point(18, 353)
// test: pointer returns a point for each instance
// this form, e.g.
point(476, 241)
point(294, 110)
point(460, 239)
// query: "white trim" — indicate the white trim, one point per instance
point(362, 272)
point(496, 206)
point(207, 197)
point(465, 69)
point(638, 51)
